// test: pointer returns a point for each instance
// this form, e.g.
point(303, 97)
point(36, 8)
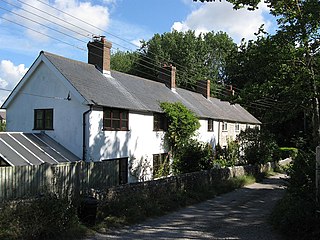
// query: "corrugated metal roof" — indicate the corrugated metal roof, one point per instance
point(19, 149)
point(136, 93)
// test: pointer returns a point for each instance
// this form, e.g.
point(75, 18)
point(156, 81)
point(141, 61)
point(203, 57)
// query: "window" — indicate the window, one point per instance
point(210, 125)
point(123, 170)
point(43, 119)
point(115, 119)
point(224, 126)
point(160, 122)
point(237, 127)
point(161, 164)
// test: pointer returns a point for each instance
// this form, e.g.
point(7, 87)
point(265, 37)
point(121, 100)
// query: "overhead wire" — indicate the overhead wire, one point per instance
point(217, 90)
point(164, 71)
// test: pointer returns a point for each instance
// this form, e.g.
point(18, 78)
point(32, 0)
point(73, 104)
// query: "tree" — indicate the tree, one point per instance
point(299, 27)
point(124, 61)
point(195, 57)
point(189, 155)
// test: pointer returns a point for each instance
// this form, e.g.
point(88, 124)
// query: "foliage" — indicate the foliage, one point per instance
point(2, 126)
point(182, 125)
point(295, 214)
point(196, 57)
point(227, 156)
point(192, 157)
point(124, 62)
point(281, 72)
point(43, 218)
point(257, 146)
point(286, 152)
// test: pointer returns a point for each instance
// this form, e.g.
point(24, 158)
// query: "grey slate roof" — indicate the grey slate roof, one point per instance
point(19, 149)
point(134, 93)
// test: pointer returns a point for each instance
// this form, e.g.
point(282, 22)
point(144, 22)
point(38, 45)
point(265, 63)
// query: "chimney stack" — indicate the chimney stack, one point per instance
point(167, 75)
point(99, 53)
point(203, 87)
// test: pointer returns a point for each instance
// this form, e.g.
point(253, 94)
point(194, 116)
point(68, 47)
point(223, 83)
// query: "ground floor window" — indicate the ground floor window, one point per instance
point(161, 165)
point(123, 170)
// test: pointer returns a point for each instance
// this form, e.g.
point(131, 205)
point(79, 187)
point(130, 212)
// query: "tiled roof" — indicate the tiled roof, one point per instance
point(19, 149)
point(134, 93)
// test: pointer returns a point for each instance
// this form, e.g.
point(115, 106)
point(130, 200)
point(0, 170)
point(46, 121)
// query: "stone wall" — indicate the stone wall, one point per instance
point(181, 182)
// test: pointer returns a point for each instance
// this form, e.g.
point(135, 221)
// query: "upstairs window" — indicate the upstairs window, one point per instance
point(43, 119)
point(237, 127)
point(210, 125)
point(224, 126)
point(160, 122)
point(115, 119)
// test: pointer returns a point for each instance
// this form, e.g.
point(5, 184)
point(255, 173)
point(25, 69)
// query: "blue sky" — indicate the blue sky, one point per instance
point(123, 22)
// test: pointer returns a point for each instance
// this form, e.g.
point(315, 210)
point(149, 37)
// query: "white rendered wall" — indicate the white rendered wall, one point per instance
point(205, 136)
point(138, 144)
point(48, 92)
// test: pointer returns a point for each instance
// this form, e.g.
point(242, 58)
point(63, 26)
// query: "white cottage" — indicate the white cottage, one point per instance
point(103, 115)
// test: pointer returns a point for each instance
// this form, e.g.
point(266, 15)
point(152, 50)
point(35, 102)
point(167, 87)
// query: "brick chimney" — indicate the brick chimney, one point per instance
point(167, 75)
point(99, 53)
point(203, 87)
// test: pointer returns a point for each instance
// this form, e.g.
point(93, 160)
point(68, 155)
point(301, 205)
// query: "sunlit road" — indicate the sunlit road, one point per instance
point(241, 214)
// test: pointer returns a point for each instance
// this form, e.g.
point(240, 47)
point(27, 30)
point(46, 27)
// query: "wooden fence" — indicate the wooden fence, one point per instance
point(68, 179)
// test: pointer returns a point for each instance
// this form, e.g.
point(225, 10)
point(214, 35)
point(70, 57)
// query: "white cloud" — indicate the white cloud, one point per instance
point(95, 15)
point(220, 16)
point(10, 75)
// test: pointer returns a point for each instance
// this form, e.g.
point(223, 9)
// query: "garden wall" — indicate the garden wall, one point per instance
point(183, 182)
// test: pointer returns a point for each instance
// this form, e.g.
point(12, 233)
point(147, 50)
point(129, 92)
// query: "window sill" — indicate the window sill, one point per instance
point(115, 130)
point(36, 129)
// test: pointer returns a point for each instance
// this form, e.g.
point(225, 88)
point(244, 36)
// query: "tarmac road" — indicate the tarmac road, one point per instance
point(241, 214)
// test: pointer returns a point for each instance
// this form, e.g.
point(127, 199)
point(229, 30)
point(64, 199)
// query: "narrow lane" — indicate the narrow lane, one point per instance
point(241, 214)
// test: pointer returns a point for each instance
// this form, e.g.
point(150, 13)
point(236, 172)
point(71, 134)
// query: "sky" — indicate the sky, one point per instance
point(64, 27)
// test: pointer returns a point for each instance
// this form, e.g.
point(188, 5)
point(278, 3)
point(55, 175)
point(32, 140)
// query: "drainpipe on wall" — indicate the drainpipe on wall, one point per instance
point(219, 132)
point(84, 133)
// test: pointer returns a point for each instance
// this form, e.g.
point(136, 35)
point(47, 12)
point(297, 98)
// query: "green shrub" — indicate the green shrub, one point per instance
point(295, 215)
point(192, 157)
point(227, 156)
point(286, 152)
point(43, 218)
point(257, 146)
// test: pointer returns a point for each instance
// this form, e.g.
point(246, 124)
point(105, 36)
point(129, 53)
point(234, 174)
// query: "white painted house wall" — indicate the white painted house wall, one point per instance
point(48, 91)
point(138, 144)
point(205, 136)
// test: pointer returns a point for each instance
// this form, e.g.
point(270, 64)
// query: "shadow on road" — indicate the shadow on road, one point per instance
point(241, 214)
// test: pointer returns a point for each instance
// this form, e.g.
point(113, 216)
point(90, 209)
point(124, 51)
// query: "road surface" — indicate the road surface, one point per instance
point(241, 214)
